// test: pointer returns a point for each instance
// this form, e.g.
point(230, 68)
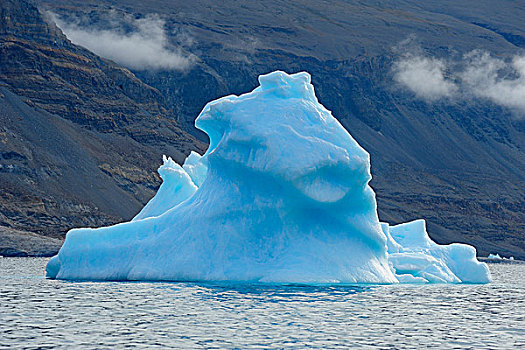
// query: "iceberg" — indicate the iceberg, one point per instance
point(494, 256)
point(499, 257)
point(414, 257)
point(281, 195)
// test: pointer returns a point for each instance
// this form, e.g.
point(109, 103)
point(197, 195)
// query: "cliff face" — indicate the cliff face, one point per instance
point(459, 164)
point(80, 137)
point(41, 64)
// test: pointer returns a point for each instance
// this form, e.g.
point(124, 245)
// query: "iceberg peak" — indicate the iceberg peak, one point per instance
point(284, 85)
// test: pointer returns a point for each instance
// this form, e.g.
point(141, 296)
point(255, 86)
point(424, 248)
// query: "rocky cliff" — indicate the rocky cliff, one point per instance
point(80, 137)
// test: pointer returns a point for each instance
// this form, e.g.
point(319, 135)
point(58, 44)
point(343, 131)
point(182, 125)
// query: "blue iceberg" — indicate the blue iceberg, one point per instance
point(280, 196)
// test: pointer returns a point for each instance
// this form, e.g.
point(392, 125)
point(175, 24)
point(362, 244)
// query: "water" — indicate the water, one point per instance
point(40, 313)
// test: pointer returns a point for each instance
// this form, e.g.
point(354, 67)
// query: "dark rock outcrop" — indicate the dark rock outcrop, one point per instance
point(80, 137)
point(16, 243)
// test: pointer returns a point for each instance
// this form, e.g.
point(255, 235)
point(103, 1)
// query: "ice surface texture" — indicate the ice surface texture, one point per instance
point(281, 195)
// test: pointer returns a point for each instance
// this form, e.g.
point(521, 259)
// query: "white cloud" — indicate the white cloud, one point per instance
point(492, 78)
point(145, 48)
point(477, 74)
point(424, 76)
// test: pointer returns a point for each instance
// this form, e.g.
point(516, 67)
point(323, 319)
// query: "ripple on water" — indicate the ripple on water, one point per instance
point(40, 313)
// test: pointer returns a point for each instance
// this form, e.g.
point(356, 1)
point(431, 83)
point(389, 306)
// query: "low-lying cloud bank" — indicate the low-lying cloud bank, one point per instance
point(477, 74)
point(495, 79)
point(144, 48)
point(424, 76)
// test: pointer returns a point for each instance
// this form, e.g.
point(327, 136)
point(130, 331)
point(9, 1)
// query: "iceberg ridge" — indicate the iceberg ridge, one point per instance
point(281, 195)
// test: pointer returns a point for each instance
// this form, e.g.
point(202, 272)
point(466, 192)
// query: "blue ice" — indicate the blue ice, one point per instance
point(281, 195)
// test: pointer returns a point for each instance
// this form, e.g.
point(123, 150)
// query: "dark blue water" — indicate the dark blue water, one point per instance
point(40, 313)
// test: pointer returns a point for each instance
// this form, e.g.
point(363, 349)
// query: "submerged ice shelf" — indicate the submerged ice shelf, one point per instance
point(281, 195)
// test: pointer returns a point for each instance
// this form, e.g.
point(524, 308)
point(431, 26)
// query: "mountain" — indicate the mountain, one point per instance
point(80, 136)
point(457, 162)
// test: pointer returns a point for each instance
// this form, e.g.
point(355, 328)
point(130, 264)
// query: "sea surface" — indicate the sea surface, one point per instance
point(39, 313)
